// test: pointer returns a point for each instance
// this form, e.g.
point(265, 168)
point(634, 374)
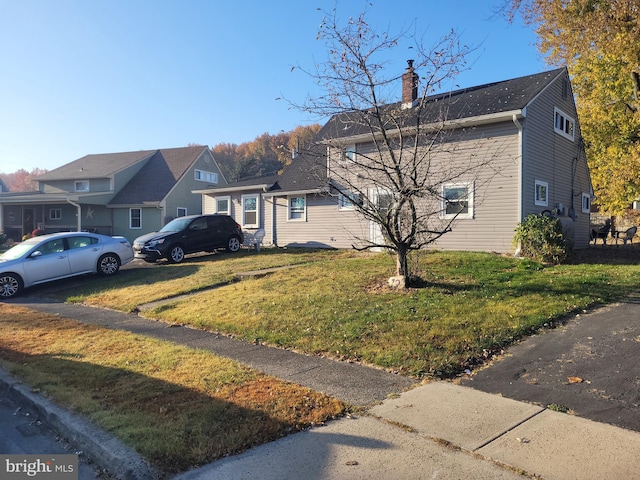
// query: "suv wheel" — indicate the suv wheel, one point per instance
point(176, 254)
point(233, 245)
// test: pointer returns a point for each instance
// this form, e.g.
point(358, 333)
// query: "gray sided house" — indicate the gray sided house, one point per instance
point(126, 194)
point(524, 131)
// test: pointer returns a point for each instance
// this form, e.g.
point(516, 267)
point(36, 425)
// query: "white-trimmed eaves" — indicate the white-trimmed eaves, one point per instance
point(432, 127)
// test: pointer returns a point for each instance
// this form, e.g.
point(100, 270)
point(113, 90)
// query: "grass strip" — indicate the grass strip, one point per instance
point(176, 406)
point(133, 287)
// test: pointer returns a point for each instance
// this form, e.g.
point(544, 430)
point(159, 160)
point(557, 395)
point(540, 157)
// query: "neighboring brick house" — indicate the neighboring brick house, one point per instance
point(128, 194)
point(540, 162)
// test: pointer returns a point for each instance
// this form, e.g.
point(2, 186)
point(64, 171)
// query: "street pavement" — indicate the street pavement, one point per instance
point(23, 432)
point(435, 430)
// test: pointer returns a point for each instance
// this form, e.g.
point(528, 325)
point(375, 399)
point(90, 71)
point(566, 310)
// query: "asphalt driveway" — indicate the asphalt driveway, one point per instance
point(590, 366)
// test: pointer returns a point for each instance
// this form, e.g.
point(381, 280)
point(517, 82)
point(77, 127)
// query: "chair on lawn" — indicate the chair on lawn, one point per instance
point(602, 233)
point(254, 240)
point(628, 234)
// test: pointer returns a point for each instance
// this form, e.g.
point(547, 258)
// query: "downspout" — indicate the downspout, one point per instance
point(274, 239)
point(79, 214)
point(520, 179)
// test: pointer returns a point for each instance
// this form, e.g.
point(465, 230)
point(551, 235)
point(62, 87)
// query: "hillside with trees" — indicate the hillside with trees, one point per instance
point(21, 180)
point(267, 154)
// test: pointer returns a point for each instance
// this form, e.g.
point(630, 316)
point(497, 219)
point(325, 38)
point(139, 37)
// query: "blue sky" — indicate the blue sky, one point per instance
point(101, 76)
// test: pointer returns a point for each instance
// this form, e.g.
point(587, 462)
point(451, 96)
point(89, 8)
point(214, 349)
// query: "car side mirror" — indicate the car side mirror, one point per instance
point(36, 254)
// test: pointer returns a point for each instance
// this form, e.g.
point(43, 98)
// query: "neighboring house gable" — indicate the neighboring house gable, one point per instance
point(107, 192)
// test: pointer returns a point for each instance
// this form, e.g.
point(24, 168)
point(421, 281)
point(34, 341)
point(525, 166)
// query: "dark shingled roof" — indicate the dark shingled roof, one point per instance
point(158, 176)
point(95, 166)
point(307, 172)
point(491, 98)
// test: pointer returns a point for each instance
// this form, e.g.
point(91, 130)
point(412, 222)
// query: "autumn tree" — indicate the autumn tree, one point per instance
point(22, 180)
point(300, 138)
point(599, 42)
point(267, 154)
point(396, 178)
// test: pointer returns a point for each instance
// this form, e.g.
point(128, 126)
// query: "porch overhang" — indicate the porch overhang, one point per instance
point(296, 192)
point(244, 188)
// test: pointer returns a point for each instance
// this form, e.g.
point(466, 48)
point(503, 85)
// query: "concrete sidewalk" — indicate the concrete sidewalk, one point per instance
point(444, 431)
point(437, 430)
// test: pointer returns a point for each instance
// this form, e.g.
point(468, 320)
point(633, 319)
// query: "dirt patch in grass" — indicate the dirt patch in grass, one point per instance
point(176, 406)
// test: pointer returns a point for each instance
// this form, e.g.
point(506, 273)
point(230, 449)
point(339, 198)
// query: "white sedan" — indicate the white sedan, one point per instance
point(60, 255)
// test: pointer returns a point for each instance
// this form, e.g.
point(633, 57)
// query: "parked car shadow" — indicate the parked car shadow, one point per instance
point(132, 274)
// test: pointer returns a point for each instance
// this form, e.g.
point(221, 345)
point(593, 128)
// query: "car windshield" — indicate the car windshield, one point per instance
point(176, 225)
point(18, 250)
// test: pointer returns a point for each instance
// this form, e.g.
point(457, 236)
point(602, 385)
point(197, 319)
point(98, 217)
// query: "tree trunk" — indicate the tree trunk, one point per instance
point(402, 262)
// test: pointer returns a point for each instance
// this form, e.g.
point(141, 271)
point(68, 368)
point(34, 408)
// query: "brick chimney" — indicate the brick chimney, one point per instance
point(409, 86)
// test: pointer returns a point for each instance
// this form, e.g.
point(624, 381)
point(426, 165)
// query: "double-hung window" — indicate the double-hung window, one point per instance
point(135, 218)
point(349, 153)
point(541, 193)
point(297, 208)
point(347, 201)
point(457, 200)
point(250, 211)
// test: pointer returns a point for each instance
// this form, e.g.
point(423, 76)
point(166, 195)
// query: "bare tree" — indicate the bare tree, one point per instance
point(392, 160)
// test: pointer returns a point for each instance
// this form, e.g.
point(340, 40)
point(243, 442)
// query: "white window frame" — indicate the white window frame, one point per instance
point(204, 176)
point(537, 197)
point(131, 226)
point(257, 210)
point(297, 214)
point(564, 124)
point(349, 153)
point(469, 199)
point(226, 198)
point(181, 212)
point(82, 185)
point(55, 214)
point(347, 202)
point(586, 203)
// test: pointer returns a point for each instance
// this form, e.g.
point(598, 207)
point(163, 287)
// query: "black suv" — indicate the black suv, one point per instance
point(190, 234)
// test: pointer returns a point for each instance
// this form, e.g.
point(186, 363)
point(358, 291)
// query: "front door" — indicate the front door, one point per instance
point(28, 221)
point(382, 200)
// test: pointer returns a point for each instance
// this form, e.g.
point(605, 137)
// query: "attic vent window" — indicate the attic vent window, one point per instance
point(204, 176)
point(564, 124)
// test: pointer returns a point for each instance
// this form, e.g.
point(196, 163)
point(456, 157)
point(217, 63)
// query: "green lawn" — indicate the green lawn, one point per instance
point(469, 305)
point(181, 407)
